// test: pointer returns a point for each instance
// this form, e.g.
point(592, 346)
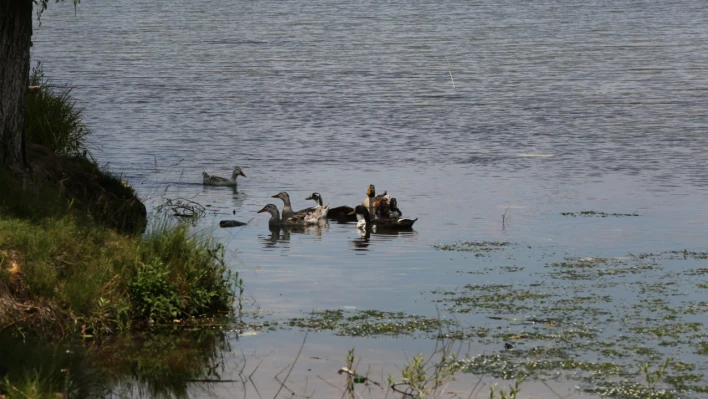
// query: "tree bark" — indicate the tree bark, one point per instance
point(15, 42)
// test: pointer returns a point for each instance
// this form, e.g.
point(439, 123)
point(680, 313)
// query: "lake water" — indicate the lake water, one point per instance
point(464, 111)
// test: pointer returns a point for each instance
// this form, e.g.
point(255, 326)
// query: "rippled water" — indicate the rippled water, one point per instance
point(461, 110)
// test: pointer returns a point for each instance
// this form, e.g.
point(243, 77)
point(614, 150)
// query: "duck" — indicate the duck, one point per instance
point(323, 210)
point(210, 180)
point(287, 208)
point(339, 213)
point(315, 197)
point(389, 210)
point(365, 222)
point(299, 219)
point(372, 201)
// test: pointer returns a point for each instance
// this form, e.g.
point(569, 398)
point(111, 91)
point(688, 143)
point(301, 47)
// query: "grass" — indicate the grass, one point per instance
point(94, 281)
point(54, 119)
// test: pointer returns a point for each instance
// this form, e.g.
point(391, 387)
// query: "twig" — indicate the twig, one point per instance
point(282, 384)
point(16, 321)
point(554, 392)
point(450, 72)
point(330, 384)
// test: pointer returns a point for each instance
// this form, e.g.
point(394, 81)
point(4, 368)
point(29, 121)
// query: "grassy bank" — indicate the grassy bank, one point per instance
point(93, 280)
point(73, 256)
point(76, 261)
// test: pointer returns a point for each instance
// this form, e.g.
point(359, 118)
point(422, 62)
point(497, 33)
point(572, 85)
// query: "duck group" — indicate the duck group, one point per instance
point(376, 212)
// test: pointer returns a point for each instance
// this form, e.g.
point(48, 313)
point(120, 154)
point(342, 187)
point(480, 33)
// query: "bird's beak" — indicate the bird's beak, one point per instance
point(309, 198)
point(275, 196)
point(351, 213)
point(242, 174)
point(265, 209)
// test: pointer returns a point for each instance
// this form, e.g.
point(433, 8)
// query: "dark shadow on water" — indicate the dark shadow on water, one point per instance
point(165, 363)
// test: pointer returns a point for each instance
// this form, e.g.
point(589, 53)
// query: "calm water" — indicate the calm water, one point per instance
point(462, 110)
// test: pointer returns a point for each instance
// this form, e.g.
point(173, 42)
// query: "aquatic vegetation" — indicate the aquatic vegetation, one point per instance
point(598, 214)
point(366, 323)
point(479, 248)
point(591, 320)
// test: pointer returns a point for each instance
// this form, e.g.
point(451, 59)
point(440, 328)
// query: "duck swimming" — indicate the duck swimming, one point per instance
point(365, 223)
point(339, 213)
point(220, 181)
point(301, 218)
point(372, 201)
point(287, 208)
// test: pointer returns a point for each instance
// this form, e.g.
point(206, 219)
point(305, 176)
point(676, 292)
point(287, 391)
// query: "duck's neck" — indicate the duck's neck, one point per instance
point(319, 201)
point(234, 176)
point(367, 219)
point(274, 218)
point(287, 209)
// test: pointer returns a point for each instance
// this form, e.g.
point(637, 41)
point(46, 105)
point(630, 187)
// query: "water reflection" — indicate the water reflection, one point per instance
point(364, 241)
point(282, 234)
point(166, 363)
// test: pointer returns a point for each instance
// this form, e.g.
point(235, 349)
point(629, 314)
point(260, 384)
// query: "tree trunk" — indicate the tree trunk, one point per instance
point(15, 41)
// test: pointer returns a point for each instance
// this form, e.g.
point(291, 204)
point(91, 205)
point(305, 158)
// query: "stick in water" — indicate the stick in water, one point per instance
point(448, 71)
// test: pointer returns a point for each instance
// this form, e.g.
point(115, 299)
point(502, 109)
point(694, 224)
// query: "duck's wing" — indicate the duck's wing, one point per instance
point(341, 213)
point(296, 219)
point(394, 223)
point(306, 210)
point(216, 180)
point(317, 215)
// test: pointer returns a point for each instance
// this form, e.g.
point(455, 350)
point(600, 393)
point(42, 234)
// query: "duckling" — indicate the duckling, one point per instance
point(209, 180)
point(301, 218)
point(365, 223)
point(372, 201)
point(287, 208)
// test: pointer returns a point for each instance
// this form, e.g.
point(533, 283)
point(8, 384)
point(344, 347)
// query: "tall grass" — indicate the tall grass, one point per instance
point(53, 117)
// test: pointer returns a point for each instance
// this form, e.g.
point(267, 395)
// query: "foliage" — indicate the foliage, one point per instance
point(153, 296)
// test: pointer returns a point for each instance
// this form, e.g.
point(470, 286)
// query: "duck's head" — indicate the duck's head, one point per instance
point(316, 197)
point(283, 196)
point(270, 208)
point(393, 203)
point(371, 192)
point(237, 172)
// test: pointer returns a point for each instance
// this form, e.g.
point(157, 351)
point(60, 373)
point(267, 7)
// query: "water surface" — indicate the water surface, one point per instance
point(463, 111)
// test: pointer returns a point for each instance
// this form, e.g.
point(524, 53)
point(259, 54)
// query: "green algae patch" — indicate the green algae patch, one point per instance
point(593, 320)
point(598, 214)
point(372, 323)
point(479, 248)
